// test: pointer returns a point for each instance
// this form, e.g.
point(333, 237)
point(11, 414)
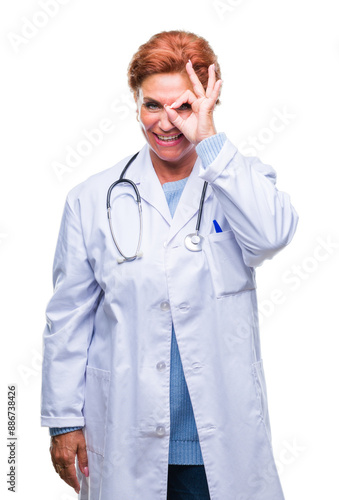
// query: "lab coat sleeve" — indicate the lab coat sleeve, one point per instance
point(262, 218)
point(70, 314)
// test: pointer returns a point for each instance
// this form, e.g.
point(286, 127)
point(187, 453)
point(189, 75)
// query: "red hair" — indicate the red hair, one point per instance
point(168, 52)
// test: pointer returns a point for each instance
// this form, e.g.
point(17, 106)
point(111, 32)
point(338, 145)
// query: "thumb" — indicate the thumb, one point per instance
point(82, 458)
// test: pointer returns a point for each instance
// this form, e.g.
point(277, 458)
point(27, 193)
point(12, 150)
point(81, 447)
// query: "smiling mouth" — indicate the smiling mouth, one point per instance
point(168, 138)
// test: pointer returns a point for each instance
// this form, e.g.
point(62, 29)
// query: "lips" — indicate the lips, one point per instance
point(168, 139)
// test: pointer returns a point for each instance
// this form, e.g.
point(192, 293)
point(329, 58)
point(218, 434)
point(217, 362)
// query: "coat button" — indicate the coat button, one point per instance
point(161, 366)
point(164, 306)
point(160, 430)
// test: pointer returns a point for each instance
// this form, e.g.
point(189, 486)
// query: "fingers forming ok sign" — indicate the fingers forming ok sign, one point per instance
point(199, 124)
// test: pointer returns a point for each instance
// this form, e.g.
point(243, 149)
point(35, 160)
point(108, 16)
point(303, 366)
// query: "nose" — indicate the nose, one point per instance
point(164, 122)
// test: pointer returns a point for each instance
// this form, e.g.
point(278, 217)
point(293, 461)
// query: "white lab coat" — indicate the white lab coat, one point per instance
point(108, 334)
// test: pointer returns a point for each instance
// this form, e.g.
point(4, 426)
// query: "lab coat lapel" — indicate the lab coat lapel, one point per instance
point(189, 202)
point(148, 183)
point(143, 174)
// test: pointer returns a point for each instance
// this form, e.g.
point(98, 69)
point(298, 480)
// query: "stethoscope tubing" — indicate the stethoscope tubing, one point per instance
point(201, 206)
point(194, 240)
point(121, 179)
point(138, 201)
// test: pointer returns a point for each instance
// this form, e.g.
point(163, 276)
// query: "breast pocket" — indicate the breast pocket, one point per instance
point(229, 273)
point(96, 408)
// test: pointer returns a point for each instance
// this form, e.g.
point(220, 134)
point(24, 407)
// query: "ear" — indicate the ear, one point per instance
point(137, 103)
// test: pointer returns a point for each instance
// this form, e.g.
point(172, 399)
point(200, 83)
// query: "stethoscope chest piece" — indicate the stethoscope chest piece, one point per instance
point(193, 242)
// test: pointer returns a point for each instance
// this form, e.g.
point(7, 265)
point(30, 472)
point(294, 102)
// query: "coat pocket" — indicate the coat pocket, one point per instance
point(96, 408)
point(229, 273)
point(261, 393)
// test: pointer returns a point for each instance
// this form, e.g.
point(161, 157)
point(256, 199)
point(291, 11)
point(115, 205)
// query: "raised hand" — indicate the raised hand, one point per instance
point(199, 124)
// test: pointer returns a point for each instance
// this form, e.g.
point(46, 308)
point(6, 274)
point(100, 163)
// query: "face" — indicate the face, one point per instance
point(164, 139)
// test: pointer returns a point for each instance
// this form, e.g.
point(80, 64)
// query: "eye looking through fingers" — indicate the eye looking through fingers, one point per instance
point(184, 107)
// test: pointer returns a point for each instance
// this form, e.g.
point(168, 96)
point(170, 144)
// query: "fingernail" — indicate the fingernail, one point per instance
point(86, 472)
point(173, 104)
point(190, 62)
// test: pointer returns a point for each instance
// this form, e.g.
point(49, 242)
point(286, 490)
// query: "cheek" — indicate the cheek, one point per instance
point(147, 123)
point(143, 120)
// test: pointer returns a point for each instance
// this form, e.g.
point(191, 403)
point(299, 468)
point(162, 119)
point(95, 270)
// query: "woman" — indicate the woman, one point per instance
point(152, 373)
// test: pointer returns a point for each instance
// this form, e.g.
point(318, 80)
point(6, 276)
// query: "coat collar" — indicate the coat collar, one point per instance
point(143, 174)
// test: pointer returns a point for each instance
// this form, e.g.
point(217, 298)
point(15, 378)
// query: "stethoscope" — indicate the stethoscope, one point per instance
point(193, 241)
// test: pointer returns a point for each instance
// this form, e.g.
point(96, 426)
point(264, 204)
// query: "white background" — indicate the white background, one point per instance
point(276, 57)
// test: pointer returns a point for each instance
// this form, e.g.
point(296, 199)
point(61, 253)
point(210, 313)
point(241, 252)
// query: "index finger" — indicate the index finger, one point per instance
point(68, 474)
point(211, 80)
point(197, 85)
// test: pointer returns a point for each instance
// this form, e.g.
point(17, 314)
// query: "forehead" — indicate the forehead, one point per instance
point(161, 86)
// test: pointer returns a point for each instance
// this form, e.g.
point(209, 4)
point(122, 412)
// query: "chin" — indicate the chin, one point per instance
point(172, 156)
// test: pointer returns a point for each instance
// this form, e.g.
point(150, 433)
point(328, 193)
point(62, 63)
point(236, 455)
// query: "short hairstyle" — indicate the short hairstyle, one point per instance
point(168, 52)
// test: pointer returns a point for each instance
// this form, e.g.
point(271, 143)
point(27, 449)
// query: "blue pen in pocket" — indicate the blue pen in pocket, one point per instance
point(217, 227)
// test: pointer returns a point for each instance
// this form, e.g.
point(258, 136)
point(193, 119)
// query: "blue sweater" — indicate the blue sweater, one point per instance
point(184, 445)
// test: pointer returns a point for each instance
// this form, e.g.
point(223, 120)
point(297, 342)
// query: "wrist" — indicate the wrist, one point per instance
point(209, 149)
point(205, 135)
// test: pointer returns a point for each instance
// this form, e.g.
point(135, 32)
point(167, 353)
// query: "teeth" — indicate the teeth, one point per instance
point(168, 138)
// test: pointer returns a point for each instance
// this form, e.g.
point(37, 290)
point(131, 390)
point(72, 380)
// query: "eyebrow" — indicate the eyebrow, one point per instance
point(150, 99)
